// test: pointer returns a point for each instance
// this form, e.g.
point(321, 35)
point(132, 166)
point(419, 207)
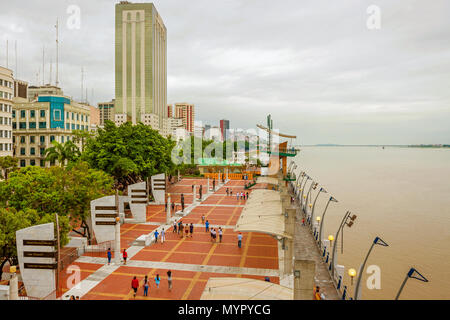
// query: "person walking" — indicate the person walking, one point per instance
point(237, 196)
point(146, 286)
point(157, 280)
point(303, 221)
point(207, 225)
point(182, 202)
point(163, 235)
point(173, 207)
point(214, 235)
point(228, 192)
point(247, 195)
point(174, 227)
point(231, 192)
point(220, 234)
point(192, 188)
point(203, 218)
point(109, 255)
point(186, 230)
point(124, 256)
point(191, 229)
point(317, 295)
point(240, 240)
point(181, 230)
point(169, 279)
point(180, 226)
point(135, 285)
point(156, 235)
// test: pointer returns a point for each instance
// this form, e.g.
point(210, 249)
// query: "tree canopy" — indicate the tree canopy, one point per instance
point(129, 153)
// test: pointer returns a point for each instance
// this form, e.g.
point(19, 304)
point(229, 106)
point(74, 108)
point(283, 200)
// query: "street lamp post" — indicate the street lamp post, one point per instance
point(323, 216)
point(412, 273)
point(341, 226)
point(302, 174)
point(314, 204)
point(302, 190)
point(312, 186)
point(378, 241)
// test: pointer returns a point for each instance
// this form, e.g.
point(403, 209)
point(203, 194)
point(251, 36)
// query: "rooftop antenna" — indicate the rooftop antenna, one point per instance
point(7, 51)
point(51, 63)
point(57, 44)
point(15, 72)
point(82, 79)
point(43, 65)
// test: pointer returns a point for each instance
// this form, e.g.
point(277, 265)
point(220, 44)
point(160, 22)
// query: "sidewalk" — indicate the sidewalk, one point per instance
point(306, 249)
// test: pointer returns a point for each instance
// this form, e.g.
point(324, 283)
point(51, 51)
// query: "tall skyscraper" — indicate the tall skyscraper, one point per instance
point(186, 112)
point(224, 127)
point(6, 103)
point(141, 64)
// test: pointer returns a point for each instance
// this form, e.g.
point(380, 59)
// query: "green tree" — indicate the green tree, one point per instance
point(12, 220)
point(7, 164)
point(62, 152)
point(130, 153)
point(81, 136)
point(66, 191)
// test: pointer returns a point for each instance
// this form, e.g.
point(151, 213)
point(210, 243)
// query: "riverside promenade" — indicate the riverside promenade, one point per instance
point(192, 260)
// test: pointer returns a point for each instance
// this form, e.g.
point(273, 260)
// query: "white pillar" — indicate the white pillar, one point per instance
point(14, 288)
point(168, 209)
point(117, 242)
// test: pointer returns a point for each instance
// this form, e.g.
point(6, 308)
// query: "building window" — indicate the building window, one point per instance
point(22, 151)
point(42, 125)
point(72, 115)
point(57, 115)
point(22, 113)
point(32, 151)
point(32, 139)
point(78, 116)
point(22, 163)
point(32, 162)
point(78, 127)
point(62, 139)
point(42, 139)
point(73, 126)
point(42, 163)
point(42, 113)
point(14, 113)
point(22, 125)
point(32, 113)
point(52, 138)
point(22, 139)
point(32, 125)
point(67, 126)
point(14, 125)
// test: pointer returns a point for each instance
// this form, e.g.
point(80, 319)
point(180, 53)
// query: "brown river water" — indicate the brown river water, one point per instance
point(401, 195)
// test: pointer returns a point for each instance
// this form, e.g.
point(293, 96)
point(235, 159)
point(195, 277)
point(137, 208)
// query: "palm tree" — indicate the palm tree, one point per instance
point(62, 152)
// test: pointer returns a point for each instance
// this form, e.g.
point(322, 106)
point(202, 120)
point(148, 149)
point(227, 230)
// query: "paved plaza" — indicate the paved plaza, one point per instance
point(192, 260)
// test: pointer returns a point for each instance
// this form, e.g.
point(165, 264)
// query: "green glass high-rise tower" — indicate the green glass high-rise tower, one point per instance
point(141, 64)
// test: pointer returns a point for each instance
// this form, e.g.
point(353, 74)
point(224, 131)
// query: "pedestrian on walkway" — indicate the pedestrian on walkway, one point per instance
point(237, 196)
point(303, 221)
point(109, 255)
point(240, 240)
point(135, 285)
point(192, 188)
point(317, 295)
point(181, 230)
point(165, 207)
point(180, 226)
point(169, 279)
point(186, 230)
point(182, 202)
point(220, 234)
point(163, 236)
point(200, 192)
point(231, 192)
point(203, 218)
point(207, 225)
point(124, 256)
point(191, 229)
point(157, 280)
point(156, 233)
point(174, 227)
point(212, 234)
point(173, 207)
point(228, 192)
point(146, 286)
point(247, 195)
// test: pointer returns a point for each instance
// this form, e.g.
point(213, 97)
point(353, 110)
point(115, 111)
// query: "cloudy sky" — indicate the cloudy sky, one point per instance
point(314, 65)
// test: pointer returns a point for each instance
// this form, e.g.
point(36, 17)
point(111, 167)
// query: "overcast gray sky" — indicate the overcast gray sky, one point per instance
point(314, 65)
